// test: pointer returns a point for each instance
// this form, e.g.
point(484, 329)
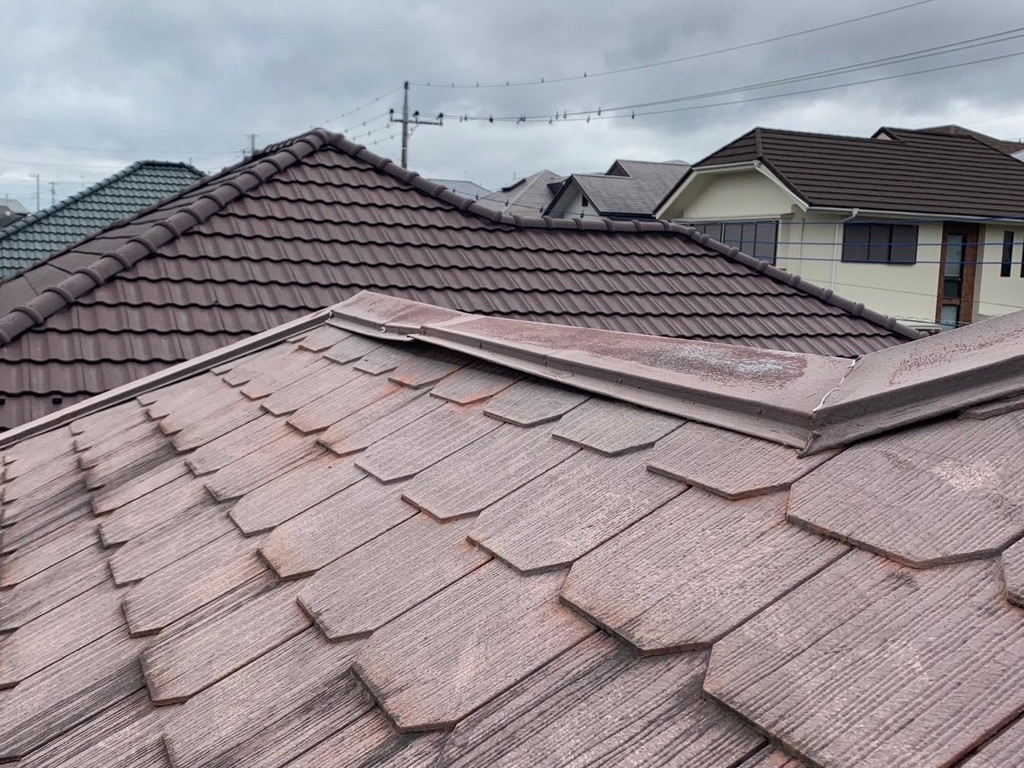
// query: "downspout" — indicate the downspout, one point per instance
point(836, 249)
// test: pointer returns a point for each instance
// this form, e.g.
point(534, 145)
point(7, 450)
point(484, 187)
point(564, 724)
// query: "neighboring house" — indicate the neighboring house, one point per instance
point(468, 189)
point(11, 211)
point(924, 226)
point(390, 534)
point(124, 194)
point(631, 189)
point(316, 219)
point(528, 196)
point(1007, 146)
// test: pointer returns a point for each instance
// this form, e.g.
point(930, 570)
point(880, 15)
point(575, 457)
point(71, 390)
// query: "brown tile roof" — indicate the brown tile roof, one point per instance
point(393, 534)
point(914, 171)
point(316, 219)
point(1008, 146)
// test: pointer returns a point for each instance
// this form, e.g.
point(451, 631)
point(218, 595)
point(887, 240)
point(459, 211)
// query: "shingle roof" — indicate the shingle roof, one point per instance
point(316, 219)
point(529, 196)
point(464, 187)
point(900, 170)
point(392, 534)
point(629, 189)
point(42, 234)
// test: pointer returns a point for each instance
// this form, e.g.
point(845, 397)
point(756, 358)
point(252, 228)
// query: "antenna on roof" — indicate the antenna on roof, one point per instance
point(406, 121)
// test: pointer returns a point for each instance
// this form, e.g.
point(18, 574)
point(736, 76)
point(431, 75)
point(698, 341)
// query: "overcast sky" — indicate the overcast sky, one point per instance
point(92, 86)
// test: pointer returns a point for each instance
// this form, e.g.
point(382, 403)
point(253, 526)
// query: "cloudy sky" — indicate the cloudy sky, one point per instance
point(95, 85)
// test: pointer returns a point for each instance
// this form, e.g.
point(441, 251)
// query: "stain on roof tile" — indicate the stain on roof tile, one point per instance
point(936, 670)
point(50, 702)
point(377, 582)
point(451, 654)
point(472, 384)
point(191, 582)
point(485, 471)
point(333, 527)
point(293, 493)
point(659, 715)
point(274, 691)
point(666, 585)
point(569, 510)
point(340, 403)
point(384, 416)
point(58, 633)
point(52, 587)
point(613, 428)
point(529, 403)
point(432, 437)
point(731, 465)
point(203, 647)
point(938, 494)
point(260, 467)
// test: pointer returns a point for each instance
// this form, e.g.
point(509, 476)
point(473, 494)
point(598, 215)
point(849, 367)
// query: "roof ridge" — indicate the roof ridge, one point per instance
point(597, 223)
point(33, 218)
point(260, 167)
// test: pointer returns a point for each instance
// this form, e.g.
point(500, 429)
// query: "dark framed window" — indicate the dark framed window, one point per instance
point(882, 243)
point(1007, 265)
point(758, 238)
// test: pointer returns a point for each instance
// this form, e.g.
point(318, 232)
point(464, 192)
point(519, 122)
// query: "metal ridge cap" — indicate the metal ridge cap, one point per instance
point(766, 394)
point(168, 375)
point(928, 378)
point(743, 415)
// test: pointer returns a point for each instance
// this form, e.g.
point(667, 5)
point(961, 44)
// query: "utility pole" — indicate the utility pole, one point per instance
point(36, 177)
point(406, 120)
point(252, 143)
point(53, 192)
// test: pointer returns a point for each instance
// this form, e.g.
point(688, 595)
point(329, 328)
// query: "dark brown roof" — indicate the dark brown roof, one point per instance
point(313, 221)
point(394, 535)
point(898, 170)
point(1003, 145)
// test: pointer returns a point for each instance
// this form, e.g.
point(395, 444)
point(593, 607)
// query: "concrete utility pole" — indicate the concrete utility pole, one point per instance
point(406, 120)
point(53, 192)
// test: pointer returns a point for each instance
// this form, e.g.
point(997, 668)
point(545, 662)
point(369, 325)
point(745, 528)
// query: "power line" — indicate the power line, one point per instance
point(651, 65)
point(601, 113)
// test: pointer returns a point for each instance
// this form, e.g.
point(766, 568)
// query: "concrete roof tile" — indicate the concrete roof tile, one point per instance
point(373, 584)
point(436, 664)
point(937, 666)
point(665, 585)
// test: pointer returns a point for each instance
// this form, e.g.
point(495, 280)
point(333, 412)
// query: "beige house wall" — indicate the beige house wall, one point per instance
point(743, 194)
point(997, 295)
point(811, 244)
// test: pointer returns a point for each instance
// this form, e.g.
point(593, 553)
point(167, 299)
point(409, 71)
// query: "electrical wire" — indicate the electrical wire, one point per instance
point(667, 62)
point(629, 110)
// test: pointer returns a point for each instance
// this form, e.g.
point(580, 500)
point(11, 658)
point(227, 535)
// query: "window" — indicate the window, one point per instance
point(884, 243)
point(756, 238)
point(1007, 265)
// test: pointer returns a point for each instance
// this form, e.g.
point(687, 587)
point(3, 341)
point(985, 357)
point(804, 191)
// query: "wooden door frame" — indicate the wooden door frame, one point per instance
point(972, 236)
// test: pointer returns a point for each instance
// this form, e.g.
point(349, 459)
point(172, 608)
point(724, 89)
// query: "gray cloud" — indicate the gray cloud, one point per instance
point(93, 87)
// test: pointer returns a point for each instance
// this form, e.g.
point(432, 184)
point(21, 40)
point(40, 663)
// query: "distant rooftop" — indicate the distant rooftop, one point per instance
point(463, 187)
point(41, 234)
